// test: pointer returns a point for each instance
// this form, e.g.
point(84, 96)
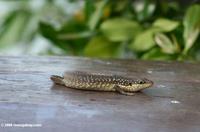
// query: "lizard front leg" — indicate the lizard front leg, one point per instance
point(121, 91)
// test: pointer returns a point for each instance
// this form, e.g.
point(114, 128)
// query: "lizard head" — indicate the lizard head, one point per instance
point(137, 85)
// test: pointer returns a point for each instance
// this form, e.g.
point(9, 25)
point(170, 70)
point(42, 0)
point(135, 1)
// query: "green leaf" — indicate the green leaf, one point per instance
point(120, 29)
point(144, 9)
point(14, 27)
point(144, 41)
point(49, 32)
point(165, 43)
point(95, 18)
point(166, 25)
point(191, 24)
point(73, 36)
point(156, 54)
point(88, 8)
point(101, 47)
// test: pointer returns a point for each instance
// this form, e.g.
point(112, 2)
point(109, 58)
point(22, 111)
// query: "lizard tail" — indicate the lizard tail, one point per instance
point(57, 79)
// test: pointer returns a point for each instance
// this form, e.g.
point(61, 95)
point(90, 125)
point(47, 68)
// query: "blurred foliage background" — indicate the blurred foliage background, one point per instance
point(142, 29)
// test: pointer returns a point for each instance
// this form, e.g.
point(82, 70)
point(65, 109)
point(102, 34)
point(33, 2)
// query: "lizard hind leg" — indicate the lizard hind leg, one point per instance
point(121, 91)
point(57, 79)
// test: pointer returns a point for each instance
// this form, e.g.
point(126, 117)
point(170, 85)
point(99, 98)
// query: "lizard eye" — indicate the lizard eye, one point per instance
point(130, 84)
point(141, 82)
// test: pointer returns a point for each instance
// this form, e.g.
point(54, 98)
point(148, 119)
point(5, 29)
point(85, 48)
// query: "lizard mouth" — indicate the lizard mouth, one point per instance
point(149, 83)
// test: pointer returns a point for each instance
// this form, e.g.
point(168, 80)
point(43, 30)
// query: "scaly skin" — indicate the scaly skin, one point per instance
point(100, 82)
